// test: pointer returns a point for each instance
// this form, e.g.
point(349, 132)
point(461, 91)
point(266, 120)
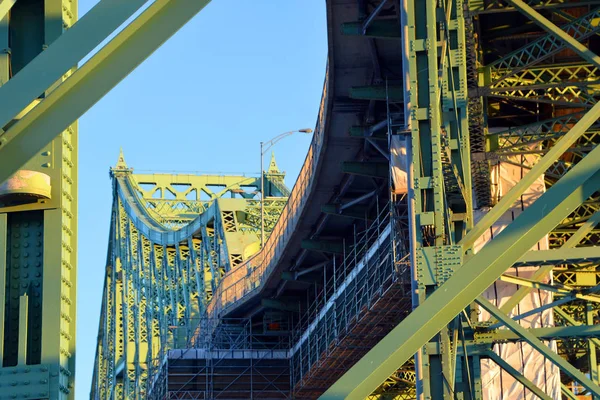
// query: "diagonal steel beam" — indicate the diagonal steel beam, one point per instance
point(372, 16)
point(572, 321)
point(63, 54)
point(518, 376)
point(542, 165)
point(551, 28)
point(573, 241)
point(5, 6)
point(93, 80)
point(567, 392)
point(537, 344)
point(554, 305)
point(469, 281)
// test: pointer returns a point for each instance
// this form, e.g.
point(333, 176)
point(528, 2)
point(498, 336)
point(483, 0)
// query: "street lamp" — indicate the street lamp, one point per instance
point(264, 147)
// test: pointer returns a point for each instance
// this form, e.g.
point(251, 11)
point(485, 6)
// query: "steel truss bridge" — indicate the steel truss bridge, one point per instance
point(439, 243)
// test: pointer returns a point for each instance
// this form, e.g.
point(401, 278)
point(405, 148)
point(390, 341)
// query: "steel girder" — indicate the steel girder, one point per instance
point(469, 281)
point(526, 76)
point(38, 229)
point(156, 292)
point(93, 80)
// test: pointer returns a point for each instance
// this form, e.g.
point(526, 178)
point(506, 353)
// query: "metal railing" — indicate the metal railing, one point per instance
point(248, 277)
point(364, 274)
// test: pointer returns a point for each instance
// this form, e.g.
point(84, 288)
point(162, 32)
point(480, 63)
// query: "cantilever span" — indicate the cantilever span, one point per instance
point(440, 242)
point(173, 239)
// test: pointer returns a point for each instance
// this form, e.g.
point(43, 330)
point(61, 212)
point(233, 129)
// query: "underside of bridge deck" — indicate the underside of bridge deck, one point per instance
point(440, 241)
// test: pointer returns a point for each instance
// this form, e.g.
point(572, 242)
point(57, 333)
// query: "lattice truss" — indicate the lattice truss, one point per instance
point(521, 77)
point(156, 287)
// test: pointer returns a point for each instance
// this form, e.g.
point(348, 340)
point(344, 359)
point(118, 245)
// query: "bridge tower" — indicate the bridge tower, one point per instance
point(38, 208)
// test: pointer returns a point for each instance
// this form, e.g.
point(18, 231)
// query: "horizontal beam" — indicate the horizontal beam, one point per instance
point(325, 246)
point(280, 305)
point(553, 333)
point(394, 93)
point(549, 288)
point(560, 256)
point(92, 81)
point(365, 131)
point(469, 281)
point(573, 241)
point(570, 320)
point(538, 169)
point(367, 168)
point(538, 345)
point(356, 212)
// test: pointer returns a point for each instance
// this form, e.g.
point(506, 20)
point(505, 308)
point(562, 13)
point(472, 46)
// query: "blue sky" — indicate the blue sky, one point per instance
point(240, 72)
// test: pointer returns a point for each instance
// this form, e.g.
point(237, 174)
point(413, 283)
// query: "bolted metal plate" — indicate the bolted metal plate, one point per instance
point(25, 382)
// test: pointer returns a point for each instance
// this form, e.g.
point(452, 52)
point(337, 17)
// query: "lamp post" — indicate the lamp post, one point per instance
point(264, 147)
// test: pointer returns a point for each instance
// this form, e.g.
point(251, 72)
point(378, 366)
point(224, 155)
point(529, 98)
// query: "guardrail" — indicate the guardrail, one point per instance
point(248, 277)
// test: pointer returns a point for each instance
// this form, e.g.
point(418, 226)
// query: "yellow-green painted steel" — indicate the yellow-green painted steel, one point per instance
point(172, 238)
point(39, 222)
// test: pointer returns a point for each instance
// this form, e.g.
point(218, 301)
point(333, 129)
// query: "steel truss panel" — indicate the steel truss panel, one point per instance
point(523, 79)
point(156, 288)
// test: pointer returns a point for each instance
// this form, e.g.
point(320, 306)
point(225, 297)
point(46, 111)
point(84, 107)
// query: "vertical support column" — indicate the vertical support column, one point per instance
point(593, 362)
point(40, 224)
point(3, 267)
point(439, 176)
point(4, 51)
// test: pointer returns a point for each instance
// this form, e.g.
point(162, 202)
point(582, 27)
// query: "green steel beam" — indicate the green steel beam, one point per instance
point(549, 288)
point(561, 313)
point(280, 305)
point(392, 92)
point(538, 169)
point(552, 29)
point(518, 376)
point(65, 52)
point(562, 255)
point(468, 282)
point(569, 395)
point(362, 132)
point(93, 80)
point(367, 168)
point(573, 241)
point(5, 6)
point(553, 333)
point(356, 212)
point(385, 29)
point(326, 246)
point(537, 344)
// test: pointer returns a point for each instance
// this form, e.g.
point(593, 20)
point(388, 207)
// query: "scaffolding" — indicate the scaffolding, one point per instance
point(233, 362)
point(365, 294)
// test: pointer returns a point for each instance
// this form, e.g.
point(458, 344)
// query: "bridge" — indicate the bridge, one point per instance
point(439, 242)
